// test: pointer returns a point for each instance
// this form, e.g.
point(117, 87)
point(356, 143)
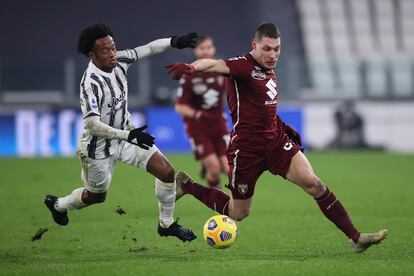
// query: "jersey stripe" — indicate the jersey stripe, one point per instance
point(238, 110)
point(96, 93)
point(122, 69)
point(125, 60)
point(112, 117)
point(233, 176)
point(92, 147)
point(121, 86)
point(84, 94)
point(96, 78)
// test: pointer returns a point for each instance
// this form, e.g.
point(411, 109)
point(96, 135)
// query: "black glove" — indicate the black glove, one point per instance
point(143, 139)
point(184, 41)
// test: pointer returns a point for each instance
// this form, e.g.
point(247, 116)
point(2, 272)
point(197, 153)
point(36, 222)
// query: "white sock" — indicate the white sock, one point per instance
point(70, 202)
point(165, 193)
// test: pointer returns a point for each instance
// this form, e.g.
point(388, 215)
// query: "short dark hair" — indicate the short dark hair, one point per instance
point(202, 38)
point(87, 37)
point(267, 30)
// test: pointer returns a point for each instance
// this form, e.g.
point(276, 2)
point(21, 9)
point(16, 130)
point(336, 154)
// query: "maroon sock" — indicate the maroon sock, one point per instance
point(213, 184)
point(332, 208)
point(214, 199)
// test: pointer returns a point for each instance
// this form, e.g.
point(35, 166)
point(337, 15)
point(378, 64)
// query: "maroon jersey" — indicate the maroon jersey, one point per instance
point(252, 94)
point(204, 92)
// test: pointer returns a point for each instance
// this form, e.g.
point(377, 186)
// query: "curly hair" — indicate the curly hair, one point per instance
point(88, 36)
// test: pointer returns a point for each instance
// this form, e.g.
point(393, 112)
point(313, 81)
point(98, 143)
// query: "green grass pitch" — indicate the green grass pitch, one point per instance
point(285, 234)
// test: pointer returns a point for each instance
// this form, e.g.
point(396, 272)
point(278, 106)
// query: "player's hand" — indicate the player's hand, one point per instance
point(140, 138)
point(293, 135)
point(184, 41)
point(176, 70)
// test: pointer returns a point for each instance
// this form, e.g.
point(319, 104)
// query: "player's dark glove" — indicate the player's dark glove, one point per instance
point(293, 135)
point(176, 70)
point(140, 138)
point(184, 41)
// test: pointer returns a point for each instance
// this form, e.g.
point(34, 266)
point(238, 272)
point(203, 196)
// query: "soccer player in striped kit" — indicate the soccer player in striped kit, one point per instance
point(109, 134)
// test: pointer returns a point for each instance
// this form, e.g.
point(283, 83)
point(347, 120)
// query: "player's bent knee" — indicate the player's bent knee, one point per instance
point(168, 174)
point(313, 185)
point(239, 216)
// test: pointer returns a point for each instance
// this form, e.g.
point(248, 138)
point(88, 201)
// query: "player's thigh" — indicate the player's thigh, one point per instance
point(133, 155)
point(212, 163)
point(97, 173)
point(244, 171)
point(300, 171)
point(159, 166)
point(239, 208)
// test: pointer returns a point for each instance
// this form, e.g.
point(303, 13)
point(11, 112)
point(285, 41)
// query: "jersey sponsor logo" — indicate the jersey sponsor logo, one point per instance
point(258, 74)
point(288, 146)
point(211, 98)
point(242, 188)
point(199, 88)
point(272, 93)
point(210, 80)
point(115, 101)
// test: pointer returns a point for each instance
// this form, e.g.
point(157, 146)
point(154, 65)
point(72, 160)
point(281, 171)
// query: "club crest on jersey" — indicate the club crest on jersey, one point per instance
point(258, 74)
point(242, 188)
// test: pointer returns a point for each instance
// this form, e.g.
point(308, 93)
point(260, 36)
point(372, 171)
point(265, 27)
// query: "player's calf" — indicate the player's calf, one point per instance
point(239, 209)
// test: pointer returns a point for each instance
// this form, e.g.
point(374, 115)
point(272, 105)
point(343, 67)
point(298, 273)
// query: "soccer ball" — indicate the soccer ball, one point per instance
point(220, 231)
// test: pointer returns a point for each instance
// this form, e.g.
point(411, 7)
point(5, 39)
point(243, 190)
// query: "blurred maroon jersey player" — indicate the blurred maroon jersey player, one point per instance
point(261, 141)
point(200, 103)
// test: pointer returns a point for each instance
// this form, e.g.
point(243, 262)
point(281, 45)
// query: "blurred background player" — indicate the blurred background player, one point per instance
point(261, 141)
point(109, 135)
point(200, 101)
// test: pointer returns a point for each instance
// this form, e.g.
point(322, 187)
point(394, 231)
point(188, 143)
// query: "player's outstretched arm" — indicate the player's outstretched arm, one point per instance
point(161, 45)
point(199, 66)
point(135, 136)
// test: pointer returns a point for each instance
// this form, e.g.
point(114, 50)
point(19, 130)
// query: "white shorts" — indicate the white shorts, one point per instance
point(97, 173)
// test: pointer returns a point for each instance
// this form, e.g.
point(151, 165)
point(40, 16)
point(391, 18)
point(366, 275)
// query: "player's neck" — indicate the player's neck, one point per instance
point(252, 53)
point(105, 71)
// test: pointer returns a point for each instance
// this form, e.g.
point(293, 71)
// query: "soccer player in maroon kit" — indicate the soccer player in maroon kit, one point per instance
point(261, 141)
point(200, 103)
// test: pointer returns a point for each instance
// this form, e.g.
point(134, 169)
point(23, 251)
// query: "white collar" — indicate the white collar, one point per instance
point(93, 66)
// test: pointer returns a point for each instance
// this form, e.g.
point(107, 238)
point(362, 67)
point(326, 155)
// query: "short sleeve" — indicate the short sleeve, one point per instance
point(184, 92)
point(126, 57)
point(239, 67)
point(90, 99)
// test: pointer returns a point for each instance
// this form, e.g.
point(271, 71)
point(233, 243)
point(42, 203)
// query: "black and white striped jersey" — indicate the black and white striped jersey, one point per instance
point(106, 95)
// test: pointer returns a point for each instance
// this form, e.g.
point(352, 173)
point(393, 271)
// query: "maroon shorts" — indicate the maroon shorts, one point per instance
point(245, 167)
point(203, 145)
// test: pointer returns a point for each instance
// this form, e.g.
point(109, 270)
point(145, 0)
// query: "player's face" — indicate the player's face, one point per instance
point(205, 49)
point(266, 51)
point(104, 54)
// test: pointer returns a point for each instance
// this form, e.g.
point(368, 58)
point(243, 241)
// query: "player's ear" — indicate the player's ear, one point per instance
point(254, 43)
point(91, 55)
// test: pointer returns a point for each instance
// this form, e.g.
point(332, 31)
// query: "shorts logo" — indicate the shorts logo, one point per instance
point(288, 146)
point(242, 188)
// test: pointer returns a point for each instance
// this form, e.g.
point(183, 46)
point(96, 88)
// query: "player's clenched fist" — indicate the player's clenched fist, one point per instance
point(184, 41)
point(140, 138)
point(176, 70)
